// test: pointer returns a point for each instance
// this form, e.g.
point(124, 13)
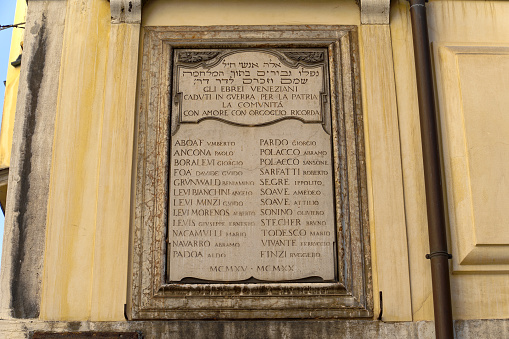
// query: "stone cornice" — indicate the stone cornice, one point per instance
point(375, 12)
point(126, 11)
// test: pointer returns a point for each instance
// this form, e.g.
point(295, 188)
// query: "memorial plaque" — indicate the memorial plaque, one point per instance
point(251, 177)
point(250, 197)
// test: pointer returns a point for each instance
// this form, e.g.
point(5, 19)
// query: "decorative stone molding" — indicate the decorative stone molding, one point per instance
point(375, 12)
point(154, 292)
point(475, 194)
point(126, 11)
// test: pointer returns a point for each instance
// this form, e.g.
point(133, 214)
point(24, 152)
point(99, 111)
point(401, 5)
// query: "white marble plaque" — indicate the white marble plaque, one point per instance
point(251, 168)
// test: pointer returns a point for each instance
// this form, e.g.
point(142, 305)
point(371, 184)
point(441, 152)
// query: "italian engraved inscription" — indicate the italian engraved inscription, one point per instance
point(251, 189)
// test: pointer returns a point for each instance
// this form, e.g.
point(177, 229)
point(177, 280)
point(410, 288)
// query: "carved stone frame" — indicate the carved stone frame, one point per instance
point(150, 297)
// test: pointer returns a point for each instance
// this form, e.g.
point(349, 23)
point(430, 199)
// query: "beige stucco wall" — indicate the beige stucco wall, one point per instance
point(85, 264)
point(481, 290)
point(241, 12)
point(86, 257)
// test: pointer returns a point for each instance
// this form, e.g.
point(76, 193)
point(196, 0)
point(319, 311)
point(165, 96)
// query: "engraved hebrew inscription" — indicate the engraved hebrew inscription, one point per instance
point(251, 169)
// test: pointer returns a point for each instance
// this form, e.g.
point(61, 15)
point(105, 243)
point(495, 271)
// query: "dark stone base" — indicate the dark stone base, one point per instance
point(298, 329)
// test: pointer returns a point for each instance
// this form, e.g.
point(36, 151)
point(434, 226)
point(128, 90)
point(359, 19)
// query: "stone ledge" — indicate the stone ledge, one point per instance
point(465, 329)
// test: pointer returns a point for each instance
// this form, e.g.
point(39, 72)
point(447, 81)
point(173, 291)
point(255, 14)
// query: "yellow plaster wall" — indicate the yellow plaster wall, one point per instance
point(411, 155)
point(383, 166)
point(11, 87)
point(245, 12)
point(85, 264)
point(72, 204)
point(114, 186)
point(85, 270)
point(477, 293)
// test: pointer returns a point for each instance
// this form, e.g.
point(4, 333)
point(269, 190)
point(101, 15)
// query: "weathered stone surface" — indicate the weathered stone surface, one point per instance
point(126, 11)
point(303, 329)
point(86, 335)
point(29, 173)
point(375, 12)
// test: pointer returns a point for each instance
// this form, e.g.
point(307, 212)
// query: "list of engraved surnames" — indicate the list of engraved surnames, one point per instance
point(251, 182)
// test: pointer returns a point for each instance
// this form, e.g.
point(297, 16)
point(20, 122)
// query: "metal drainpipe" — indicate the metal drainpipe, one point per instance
point(432, 174)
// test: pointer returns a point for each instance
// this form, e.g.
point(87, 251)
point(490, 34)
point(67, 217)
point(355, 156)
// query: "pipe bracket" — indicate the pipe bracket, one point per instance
point(438, 253)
